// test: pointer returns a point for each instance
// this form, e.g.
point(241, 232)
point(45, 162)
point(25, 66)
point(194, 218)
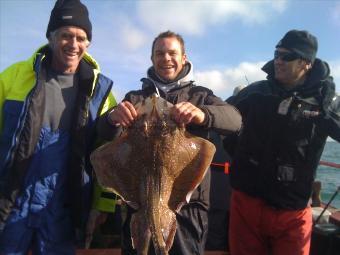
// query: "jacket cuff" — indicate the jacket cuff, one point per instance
point(104, 200)
point(206, 122)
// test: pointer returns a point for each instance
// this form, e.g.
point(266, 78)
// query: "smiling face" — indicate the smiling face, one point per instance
point(168, 58)
point(289, 72)
point(68, 45)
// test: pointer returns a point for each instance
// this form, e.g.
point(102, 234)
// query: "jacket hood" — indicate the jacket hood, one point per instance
point(184, 78)
point(319, 72)
point(88, 67)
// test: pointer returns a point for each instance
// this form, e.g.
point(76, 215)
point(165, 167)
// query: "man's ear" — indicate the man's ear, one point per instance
point(184, 58)
point(305, 65)
point(50, 43)
point(151, 58)
point(308, 66)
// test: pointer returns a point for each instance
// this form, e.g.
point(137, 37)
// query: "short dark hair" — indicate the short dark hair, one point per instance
point(168, 34)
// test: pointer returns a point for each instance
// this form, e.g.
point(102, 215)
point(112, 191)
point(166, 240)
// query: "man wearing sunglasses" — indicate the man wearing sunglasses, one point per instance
point(287, 119)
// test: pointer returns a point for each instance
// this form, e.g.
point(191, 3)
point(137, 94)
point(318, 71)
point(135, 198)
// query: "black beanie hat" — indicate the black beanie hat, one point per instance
point(70, 13)
point(301, 42)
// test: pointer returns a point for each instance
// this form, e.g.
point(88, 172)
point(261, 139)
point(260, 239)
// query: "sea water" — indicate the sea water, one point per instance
point(330, 176)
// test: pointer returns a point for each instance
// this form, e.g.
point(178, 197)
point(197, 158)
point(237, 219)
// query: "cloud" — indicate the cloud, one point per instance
point(120, 31)
point(133, 37)
point(132, 32)
point(335, 72)
point(335, 14)
point(223, 82)
point(335, 69)
point(194, 17)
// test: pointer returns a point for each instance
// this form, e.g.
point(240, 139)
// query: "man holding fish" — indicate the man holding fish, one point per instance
point(194, 107)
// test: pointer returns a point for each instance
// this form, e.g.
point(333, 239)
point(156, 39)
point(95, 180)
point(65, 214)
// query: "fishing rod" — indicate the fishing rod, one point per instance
point(329, 202)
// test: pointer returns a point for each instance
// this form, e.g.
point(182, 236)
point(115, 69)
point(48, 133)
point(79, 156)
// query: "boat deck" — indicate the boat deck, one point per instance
point(118, 252)
point(334, 218)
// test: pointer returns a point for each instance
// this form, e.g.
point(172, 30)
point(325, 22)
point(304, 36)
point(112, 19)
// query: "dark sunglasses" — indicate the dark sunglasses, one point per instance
point(286, 56)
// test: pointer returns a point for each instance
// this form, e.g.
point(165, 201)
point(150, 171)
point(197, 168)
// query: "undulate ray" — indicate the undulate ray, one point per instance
point(154, 166)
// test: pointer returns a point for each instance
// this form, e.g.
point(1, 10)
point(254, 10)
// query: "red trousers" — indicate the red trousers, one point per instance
point(258, 229)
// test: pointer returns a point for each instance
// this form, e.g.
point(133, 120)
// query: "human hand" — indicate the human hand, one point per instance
point(185, 113)
point(123, 114)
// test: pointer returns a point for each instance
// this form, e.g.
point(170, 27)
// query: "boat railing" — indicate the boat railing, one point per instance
point(327, 163)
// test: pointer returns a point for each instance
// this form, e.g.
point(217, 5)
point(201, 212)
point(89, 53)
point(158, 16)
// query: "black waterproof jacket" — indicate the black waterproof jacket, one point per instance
point(277, 152)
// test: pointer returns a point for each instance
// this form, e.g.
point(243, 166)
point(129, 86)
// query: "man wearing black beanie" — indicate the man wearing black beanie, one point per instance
point(287, 119)
point(70, 13)
point(52, 115)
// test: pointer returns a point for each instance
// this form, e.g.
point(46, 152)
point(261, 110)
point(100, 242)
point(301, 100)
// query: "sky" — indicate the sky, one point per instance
point(227, 41)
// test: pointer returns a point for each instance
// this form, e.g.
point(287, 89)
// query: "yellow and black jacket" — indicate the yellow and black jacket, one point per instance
point(22, 100)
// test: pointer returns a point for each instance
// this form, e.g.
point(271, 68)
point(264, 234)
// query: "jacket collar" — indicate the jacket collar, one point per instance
point(87, 69)
point(319, 72)
point(183, 79)
point(45, 52)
